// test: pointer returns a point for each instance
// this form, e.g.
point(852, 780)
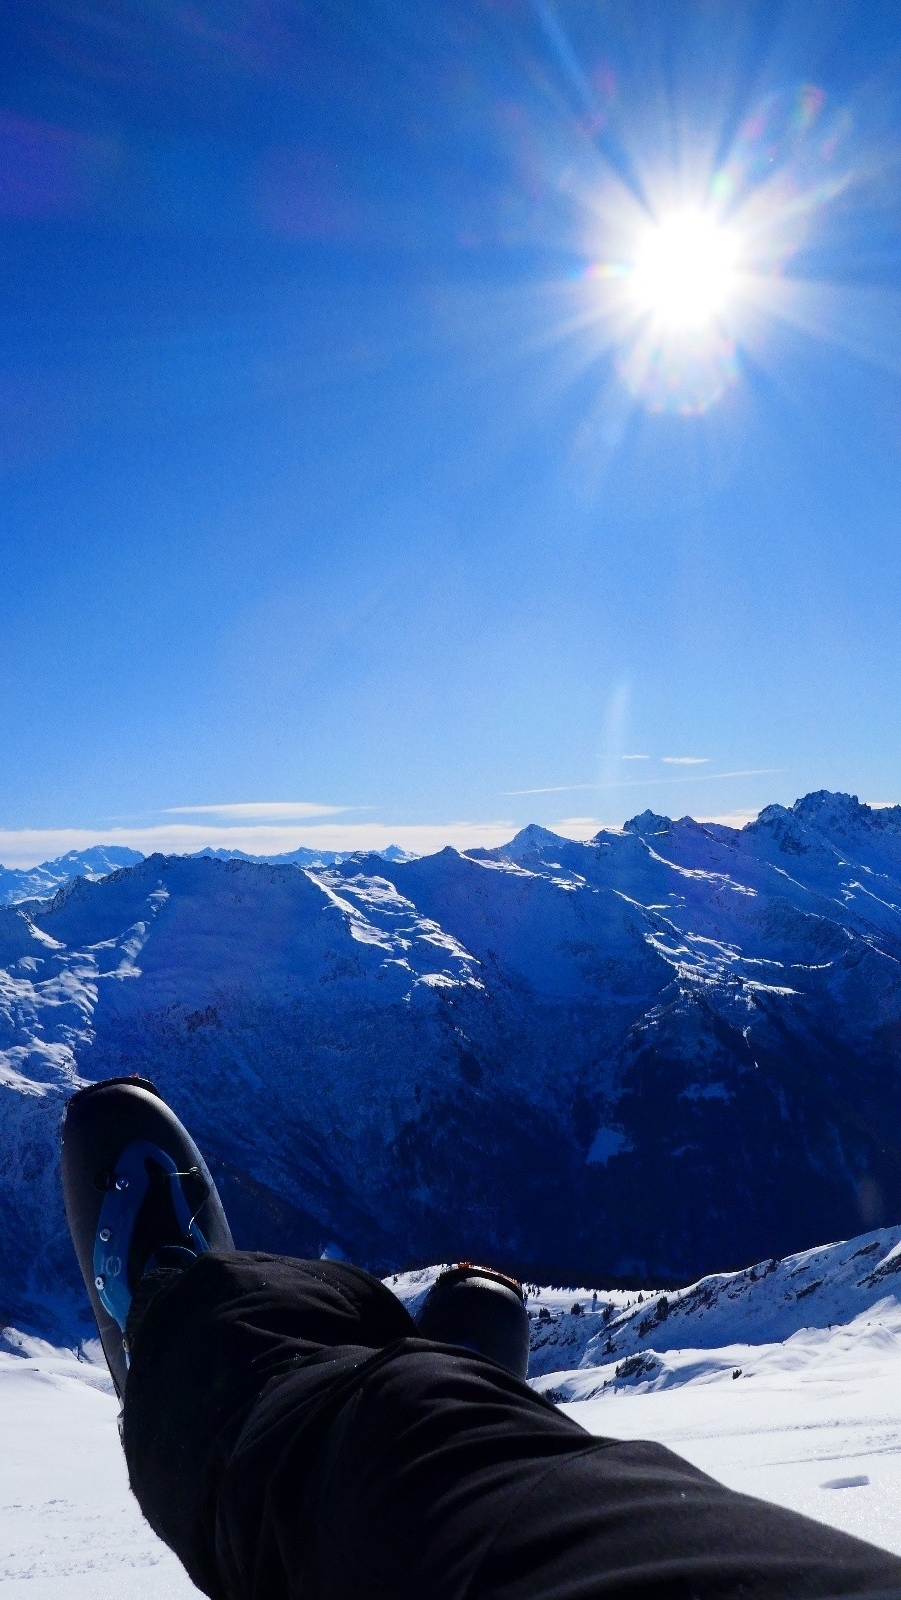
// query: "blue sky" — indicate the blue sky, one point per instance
point(335, 484)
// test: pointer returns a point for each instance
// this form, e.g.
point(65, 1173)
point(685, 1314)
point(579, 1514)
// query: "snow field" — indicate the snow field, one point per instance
point(813, 1424)
point(69, 1528)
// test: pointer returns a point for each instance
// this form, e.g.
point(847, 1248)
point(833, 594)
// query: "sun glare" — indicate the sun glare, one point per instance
point(678, 291)
point(690, 269)
point(684, 270)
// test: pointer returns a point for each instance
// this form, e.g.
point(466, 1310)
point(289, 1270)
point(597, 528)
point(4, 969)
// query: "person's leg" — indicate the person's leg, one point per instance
point(281, 1454)
point(288, 1435)
point(210, 1346)
point(446, 1477)
point(632, 1519)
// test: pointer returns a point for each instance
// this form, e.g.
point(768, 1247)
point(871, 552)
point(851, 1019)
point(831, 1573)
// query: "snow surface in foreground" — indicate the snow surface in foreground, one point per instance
point(812, 1422)
point(69, 1528)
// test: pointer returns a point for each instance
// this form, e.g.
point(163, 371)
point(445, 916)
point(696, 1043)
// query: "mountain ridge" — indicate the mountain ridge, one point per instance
point(18, 885)
point(665, 1051)
point(35, 883)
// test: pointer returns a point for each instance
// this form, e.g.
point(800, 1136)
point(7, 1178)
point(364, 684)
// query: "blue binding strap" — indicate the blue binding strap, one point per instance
point(122, 1202)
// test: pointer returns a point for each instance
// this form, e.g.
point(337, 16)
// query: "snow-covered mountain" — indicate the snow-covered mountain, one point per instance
point(588, 1342)
point(305, 857)
point(670, 1050)
point(18, 884)
point(36, 883)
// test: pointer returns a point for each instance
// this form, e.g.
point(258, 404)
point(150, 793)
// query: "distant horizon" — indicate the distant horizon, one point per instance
point(28, 848)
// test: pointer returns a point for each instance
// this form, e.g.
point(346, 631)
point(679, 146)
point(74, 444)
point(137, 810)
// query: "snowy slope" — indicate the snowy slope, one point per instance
point(585, 1342)
point(69, 1527)
point(668, 1050)
point(630, 1340)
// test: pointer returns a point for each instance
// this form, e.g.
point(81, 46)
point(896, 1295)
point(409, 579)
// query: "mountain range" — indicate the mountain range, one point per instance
point(667, 1051)
point(18, 884)
point(33, 883)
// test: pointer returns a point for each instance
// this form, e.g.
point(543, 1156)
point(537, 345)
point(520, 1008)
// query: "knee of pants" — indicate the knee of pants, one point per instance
point(421, 1467)
point(211, 1344)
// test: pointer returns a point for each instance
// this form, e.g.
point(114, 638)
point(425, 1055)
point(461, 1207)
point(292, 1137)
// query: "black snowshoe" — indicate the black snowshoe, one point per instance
point(139, 1200)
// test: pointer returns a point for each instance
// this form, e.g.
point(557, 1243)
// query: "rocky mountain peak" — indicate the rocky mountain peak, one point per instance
point(647, 823)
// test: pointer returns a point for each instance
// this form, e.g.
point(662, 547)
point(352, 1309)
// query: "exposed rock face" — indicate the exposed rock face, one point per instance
point(671, 1050)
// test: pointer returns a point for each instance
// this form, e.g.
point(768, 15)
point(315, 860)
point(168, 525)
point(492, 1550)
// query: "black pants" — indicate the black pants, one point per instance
point(288, 1435)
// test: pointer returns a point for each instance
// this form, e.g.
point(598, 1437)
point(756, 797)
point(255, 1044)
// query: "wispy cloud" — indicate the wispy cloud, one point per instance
point(258, 810)
point(644, 783)
point(634, 758)
point(685, 761)
point(733, 819)
point(578, 827)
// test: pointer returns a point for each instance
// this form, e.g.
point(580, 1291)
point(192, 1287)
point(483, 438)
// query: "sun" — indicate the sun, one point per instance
point(676, 298)
point(691, 268)
point(684, 271)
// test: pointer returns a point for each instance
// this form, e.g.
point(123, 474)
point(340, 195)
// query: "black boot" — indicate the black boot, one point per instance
point(139, 1199)
point(483, 1310)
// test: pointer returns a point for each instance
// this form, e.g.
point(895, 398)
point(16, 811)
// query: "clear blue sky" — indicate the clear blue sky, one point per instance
point(325, 481)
